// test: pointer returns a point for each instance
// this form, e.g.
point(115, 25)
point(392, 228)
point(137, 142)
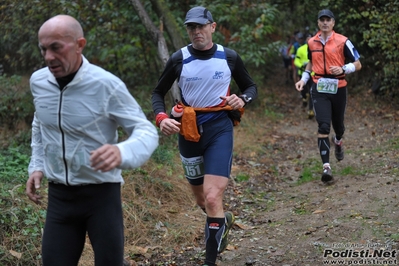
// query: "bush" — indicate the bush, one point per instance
point(16, 103)
point(20, 221)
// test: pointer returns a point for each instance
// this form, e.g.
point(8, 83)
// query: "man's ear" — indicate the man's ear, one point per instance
point(81, 44)
point(213, 27)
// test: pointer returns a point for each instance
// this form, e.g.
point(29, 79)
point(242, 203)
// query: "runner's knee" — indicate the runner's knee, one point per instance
point(324, 129)
point(212, 201)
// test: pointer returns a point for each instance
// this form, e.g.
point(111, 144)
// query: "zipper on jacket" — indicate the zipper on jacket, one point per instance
point(324, 59)
point(63, 139)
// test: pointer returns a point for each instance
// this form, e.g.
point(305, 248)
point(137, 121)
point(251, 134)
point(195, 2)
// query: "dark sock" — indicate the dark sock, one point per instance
point(214, 229)
point(324, 147)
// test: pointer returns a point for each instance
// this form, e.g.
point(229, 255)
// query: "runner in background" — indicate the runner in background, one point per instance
point(299, 40)
point(287, 60)
point(332, 56)
point(300, 61)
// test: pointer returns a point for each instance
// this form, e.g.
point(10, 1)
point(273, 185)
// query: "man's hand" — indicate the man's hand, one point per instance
point(169, 126)
point(32, 185)
point(105, 158)
point(336, 70)
point(299, 85)
point(234, 101)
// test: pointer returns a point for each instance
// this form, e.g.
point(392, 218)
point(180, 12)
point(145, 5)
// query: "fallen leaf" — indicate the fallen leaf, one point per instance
point(16, 254)
point(318, 211)
point(242, 226)
point(230, 247)
point(138, 250)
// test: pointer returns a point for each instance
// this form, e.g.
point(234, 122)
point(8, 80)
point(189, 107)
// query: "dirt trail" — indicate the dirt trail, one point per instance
point(297, 224)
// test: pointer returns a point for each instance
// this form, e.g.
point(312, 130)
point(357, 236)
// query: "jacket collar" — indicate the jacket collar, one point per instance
point(79, 75)
point(331, 36)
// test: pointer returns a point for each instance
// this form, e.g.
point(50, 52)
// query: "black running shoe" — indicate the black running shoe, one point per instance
point(327, 175)
point(339, 149)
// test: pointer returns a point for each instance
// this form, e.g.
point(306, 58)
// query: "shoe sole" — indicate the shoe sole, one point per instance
point(325, 178)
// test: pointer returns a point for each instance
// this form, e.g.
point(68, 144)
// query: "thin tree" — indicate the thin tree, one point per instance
point(171, 27)
point(159, 40)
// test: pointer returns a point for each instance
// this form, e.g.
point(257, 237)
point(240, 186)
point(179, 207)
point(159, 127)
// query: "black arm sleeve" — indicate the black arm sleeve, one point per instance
point(170, 74)
point(240, 74)
point(349, 57)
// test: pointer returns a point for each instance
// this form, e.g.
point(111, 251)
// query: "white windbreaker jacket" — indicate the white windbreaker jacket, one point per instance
point(82, 117)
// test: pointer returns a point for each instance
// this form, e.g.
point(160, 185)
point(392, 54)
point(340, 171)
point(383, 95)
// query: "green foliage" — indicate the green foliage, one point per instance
point(167, 150)
point(19, 22)
point(383, 37)
point(251, 37)
point(17, 216)
point(13, 165)
point(117, 40)
point(16, 101)
point(247, 28)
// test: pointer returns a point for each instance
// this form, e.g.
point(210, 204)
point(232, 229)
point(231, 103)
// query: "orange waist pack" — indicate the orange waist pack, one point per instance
point(189, 129)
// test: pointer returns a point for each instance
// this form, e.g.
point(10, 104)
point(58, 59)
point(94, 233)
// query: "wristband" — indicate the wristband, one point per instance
point(304, 77)
point(159, 117)
point(349, 68)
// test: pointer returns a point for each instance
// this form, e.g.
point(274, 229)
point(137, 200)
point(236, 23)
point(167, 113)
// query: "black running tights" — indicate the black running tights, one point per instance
point(74, 210)
point(330, 109)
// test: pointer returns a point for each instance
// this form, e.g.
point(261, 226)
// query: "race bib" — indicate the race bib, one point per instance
point(193, 167)
point(326, 85)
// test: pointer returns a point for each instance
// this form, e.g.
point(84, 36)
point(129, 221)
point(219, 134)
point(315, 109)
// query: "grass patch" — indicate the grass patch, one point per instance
point(273, 115)
point(310, 171)
point(394, 237)
point(241, 177)
point(350, 170)
point(301, 211)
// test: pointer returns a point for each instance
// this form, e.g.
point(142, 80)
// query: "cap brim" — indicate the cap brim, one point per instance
point(197, 20)
point(325, 14)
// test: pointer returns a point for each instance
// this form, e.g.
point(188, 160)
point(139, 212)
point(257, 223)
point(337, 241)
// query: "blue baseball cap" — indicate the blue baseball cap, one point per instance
point(199, 15)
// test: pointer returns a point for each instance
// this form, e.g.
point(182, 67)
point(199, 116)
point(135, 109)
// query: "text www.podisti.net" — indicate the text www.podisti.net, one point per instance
point(360, 257)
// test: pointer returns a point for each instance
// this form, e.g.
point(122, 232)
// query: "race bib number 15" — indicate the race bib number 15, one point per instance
point(326, 85)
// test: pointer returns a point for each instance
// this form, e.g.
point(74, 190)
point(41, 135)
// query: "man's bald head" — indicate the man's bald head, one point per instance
point(61, 42)
point(64, 24)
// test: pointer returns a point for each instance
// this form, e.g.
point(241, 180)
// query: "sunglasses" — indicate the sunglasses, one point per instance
point(193, 27)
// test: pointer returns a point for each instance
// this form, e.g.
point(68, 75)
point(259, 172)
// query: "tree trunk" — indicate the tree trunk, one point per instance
point(171, 27)
point(159, 41)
